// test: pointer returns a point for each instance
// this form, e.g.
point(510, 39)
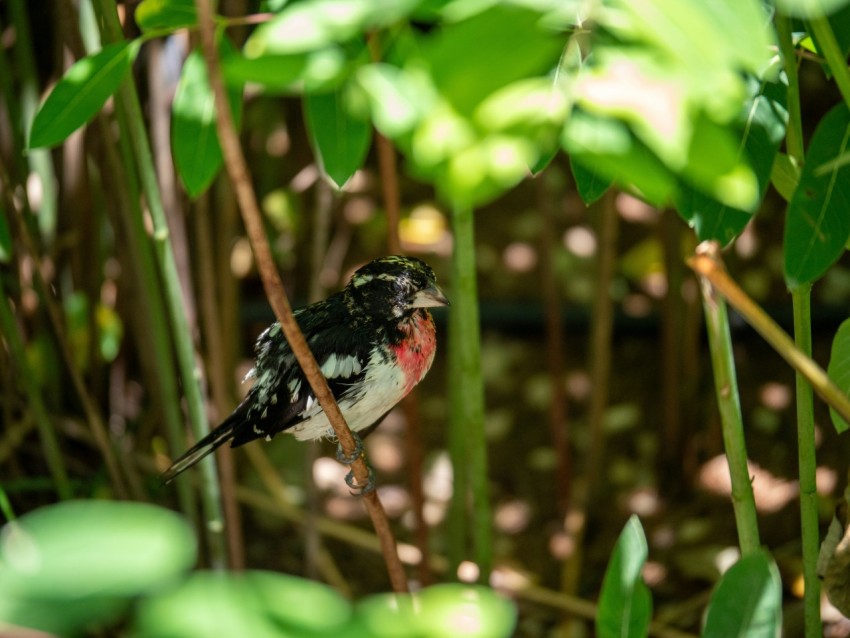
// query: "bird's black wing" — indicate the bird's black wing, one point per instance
point(281, 396)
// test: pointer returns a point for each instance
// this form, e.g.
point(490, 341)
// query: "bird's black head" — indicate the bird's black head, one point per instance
point(395, 286)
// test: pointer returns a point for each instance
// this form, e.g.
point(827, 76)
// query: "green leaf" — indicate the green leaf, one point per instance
point(625, 604)
point(443, 609)
point(466, 73)
point(81, 92)
point(589, 184)
point(818, 226)
point(785, 176)
point(609, 149)
point(839, 369)
point(809, 8)
point(254, 603)
point(747, 601)
point(762, 124)
point(340, 140)
point(80, 562)
point(154, 15)
point(194, 139)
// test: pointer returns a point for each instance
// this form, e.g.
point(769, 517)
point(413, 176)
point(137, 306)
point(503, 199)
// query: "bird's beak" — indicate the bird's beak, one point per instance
point(429, 297)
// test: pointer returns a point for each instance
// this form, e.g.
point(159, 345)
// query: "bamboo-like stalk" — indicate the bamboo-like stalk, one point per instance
point(728, 401)
point(831, 51)
point(190, 372)
point(237, 169)
point(466, 389)
point(49, 443)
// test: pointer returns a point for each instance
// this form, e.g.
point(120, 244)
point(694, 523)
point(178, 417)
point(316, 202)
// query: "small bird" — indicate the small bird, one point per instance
point(374, 341)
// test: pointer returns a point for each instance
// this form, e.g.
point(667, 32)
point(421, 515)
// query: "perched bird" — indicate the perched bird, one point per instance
point(374, 341)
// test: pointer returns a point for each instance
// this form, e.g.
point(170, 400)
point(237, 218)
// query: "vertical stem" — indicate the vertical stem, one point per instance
point(728, 401)
point(801, 297)
point(794, 134)
point(190, 373)
point(52, 452)
point(467, 386)
point(835, 58)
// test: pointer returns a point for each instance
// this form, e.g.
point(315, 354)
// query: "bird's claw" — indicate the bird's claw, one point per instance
point(349, 459)
point(361, 490)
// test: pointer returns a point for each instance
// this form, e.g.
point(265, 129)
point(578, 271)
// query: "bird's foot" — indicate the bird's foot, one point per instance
point(361, 490)
point(349, 459)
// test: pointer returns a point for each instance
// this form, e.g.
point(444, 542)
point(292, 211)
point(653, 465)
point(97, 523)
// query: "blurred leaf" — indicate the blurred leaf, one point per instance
point(253, 603)
point(839, 369)
point(747, 601)
point(762, 125)
point(817, 225)
point(469, 60)
point(309, 26)
point(625, 604)
point(194, 139)
point(614, 154)
point(785, 176)
point(111, 331)
point(590, 186)
point(320, 70)
point(452, 609)
point(152, 15)
point(809, 8)
point(81, 92)
point(399, 99)
point(340, 140)
point(76, 563)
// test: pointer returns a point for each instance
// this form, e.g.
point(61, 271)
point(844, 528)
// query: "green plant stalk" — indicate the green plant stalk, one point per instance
point(467, 386)
point(794, 134)
point(39, 159)
point(190, 372)
point(802, 300)
point(728, 401)
point(835, 58)
point(6, 506)
point(49, 442)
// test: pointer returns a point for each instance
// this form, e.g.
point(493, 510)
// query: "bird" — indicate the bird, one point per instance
point(374, 341)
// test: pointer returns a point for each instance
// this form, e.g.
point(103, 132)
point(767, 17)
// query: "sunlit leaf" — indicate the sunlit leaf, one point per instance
point(625, 604)
point(817, 225)
point(194, 139)
point(70, 565)
point(785, 176)
point(839, 369)
point(339, 139)
point(81, 92)
point(747, 601)
point(254, 603)
point(443, 609)
point(153, 15)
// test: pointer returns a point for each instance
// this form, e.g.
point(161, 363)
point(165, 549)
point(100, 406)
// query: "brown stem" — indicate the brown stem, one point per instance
point(237, 169)
point(706, 262)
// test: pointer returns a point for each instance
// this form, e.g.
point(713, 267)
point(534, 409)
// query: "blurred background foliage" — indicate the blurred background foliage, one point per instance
point(597, 143)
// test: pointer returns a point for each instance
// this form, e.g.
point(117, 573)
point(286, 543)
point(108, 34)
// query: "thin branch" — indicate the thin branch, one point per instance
point(238, 171)
point(707, 263)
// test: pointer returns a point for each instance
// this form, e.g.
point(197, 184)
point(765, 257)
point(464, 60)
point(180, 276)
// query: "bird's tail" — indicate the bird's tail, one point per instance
point(212, 441)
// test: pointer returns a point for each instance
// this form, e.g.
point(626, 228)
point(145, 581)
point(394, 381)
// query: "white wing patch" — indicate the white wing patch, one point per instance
point(336, 367)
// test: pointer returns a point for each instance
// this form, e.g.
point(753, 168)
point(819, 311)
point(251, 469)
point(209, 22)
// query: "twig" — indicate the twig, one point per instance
point(238, 172)
point(706, 263)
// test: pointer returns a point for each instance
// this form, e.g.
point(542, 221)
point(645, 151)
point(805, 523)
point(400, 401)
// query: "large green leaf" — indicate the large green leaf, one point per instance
point(469, 60)
point(254, 603)
point(340, 140)
point(625, 604)
point(81, 92)
point(589, 184)
point(67, 566)
point(818, 226)
point(153, 15)
point(747, 601)
point(839, 369)
point(194, 139)
point(762, 124)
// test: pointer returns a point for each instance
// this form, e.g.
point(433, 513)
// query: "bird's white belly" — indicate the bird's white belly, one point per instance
point(383, 387)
